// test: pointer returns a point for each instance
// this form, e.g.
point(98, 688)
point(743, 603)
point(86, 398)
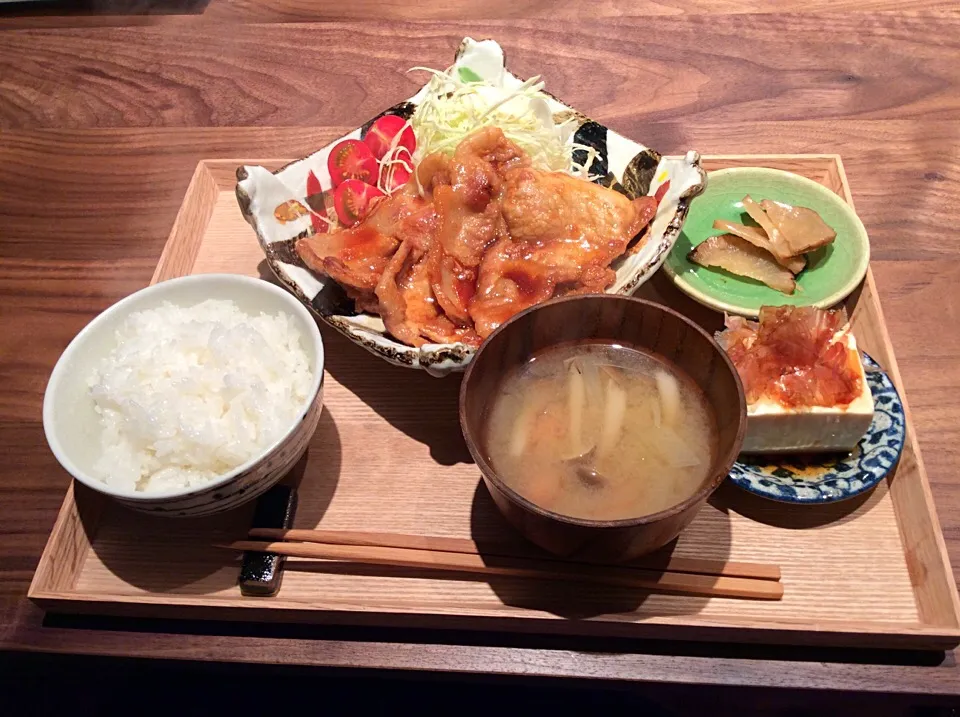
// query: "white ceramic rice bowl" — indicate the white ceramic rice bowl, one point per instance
point(72, 426)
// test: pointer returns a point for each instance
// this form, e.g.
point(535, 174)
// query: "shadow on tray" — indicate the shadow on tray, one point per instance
point(421, 406)
point(770, 512)
point(425, 408)
point(662, 290)
point(495, 538)
point(500, 545)
point(133, 546)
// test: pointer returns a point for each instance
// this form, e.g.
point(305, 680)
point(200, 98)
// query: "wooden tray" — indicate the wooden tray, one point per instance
point(388, 456)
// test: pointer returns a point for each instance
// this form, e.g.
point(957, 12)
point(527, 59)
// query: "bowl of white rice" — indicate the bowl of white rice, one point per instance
point(190, 397)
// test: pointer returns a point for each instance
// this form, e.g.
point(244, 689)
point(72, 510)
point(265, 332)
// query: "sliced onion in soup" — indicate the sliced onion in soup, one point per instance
point(576, 401)
point(614, 411)
point(521, 430)
point(674, 451)
point(533, 403)
point(669, 391)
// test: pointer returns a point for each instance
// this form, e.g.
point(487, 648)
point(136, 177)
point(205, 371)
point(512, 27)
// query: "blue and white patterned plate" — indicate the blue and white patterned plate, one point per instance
point(820, 479)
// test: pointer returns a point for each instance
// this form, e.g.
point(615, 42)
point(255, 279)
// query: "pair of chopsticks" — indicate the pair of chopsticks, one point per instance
point(677, 575)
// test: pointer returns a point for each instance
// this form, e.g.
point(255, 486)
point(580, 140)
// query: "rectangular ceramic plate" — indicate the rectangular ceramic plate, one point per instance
point(388, 456)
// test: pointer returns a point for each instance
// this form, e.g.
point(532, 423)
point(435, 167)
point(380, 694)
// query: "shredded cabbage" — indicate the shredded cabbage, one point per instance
point(457, 102)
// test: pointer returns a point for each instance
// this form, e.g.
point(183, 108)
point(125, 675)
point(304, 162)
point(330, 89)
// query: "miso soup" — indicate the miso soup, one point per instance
point(600, 431)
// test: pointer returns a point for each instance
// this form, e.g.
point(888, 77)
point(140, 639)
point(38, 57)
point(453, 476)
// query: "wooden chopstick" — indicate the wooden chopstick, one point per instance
point(701, 566)
point(682, 583)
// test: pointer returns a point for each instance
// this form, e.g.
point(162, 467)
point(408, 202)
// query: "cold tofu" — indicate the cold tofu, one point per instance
point(772, 428)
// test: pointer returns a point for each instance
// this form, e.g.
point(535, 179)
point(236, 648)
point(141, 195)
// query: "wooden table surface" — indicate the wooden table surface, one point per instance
point(104, 117)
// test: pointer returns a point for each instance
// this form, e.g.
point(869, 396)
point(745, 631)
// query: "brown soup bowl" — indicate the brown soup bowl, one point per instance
point(631, 322)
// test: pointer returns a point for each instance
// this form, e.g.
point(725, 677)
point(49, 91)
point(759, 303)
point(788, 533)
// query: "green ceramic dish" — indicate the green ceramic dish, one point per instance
point(832, 272)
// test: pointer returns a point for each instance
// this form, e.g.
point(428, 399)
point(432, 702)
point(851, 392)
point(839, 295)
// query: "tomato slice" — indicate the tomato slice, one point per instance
point(394, 175)
point(352, 159)
point(353, 200)
point(380, 136)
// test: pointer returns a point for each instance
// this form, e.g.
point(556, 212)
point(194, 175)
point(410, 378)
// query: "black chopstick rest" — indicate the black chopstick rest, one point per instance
point(262, 573)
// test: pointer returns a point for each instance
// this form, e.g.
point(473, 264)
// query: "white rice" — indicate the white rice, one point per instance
point(190, 393)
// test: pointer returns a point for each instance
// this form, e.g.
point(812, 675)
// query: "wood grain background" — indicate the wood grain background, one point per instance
point(105, 111)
